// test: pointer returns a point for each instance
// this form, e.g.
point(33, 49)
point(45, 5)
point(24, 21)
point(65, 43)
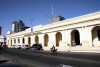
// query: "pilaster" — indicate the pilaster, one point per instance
point(85, 36)
point(26, 40)
point(50, 43)
point(32, 40)
point(16, 41)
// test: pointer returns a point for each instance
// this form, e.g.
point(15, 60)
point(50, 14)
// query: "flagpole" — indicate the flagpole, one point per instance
point(31, 23)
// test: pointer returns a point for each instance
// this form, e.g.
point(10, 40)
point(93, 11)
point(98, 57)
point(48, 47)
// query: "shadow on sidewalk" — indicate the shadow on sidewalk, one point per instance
point(3, 61)
point(6, 63)
point(12, 63)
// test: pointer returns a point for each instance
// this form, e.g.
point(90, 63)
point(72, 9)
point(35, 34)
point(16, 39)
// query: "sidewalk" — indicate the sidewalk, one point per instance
point(91, 51)
point(4, 62)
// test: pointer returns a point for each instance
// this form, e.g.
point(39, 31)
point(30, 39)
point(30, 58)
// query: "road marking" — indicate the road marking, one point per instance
point(57, 57)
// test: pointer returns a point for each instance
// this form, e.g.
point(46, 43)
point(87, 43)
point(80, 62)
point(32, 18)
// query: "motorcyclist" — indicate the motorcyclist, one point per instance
point(53, 48)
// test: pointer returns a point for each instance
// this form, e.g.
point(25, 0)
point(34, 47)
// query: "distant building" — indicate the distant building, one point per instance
point(24, 28)
point(16, 25)
point(56, 19)
point(2, 40)
point(0, 30)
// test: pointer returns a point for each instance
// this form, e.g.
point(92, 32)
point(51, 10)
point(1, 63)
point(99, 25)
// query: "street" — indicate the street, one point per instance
point(44, 59)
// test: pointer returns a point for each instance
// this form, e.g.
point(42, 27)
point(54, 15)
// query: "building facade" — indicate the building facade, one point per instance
point(2, 40)
point(79, 33)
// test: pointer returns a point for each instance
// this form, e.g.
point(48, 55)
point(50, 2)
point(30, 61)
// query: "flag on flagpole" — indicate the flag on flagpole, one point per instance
point(31, 18)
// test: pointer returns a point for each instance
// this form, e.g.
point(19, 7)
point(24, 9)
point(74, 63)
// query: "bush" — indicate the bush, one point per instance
point(68, 44)
point(80, 43)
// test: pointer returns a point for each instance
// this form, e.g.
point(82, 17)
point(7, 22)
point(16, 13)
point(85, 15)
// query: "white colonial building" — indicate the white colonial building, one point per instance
point(82, 32)
point(2, 40)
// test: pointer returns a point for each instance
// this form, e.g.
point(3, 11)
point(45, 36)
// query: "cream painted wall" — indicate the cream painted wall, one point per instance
point(33, 39)
point(16, 41)
point(69, 37)
point(50, 39)
point(21, 42)
point(89, 36)
point(9, 42)
point(84, 24)
point(40, 38)
point(63, 33)
point(54, 38)
point(12, 41)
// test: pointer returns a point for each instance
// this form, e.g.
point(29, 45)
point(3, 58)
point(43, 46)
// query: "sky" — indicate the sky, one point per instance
point(14, 10)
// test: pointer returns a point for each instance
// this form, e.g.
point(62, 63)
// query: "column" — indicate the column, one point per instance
point(12, 41)
point(42, 41)
point(85, 36)
point(40, 38)
point(89, 36)
point(17, 41)
point(21, 41)
point(87, 39)
point(26, 40)
point(9, 44)
point(32, 40)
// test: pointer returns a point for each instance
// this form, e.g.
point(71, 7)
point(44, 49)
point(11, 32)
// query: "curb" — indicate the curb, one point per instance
point(87, 51)
point(77, 51)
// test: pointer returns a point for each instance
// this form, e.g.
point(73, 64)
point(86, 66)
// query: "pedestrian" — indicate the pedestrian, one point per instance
point(73, 42)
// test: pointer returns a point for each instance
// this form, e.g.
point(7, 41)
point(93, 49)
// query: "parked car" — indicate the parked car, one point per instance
point(12, 46)
point(36, 47)
point(25, 47)
point(4, 46)
point(18, 46)
point(0, 47)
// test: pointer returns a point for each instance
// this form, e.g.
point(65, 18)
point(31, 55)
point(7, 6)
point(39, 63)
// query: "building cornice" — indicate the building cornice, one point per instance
point(73, 21)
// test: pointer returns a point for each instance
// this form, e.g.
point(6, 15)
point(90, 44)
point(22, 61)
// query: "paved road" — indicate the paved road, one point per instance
point(44, 59)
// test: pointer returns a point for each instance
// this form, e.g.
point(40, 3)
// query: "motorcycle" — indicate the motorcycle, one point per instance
point(53, 51)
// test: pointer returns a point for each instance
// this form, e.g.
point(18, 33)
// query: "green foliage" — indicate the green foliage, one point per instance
point(80, 43)
point(68, 44)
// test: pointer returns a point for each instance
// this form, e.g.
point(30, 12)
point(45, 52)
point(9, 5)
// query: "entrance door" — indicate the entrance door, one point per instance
point(77, 37)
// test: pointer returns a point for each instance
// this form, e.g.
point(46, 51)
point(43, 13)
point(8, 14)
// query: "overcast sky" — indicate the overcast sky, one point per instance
point(14, 10)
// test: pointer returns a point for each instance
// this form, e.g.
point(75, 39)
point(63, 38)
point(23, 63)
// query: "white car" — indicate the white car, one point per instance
point(25, 47)
point(18, 46)
point(13, 46)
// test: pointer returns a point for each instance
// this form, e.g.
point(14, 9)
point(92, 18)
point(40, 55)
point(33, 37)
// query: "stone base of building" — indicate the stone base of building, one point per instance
point(65, 47)
point(85, 47)
point(49, 47)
